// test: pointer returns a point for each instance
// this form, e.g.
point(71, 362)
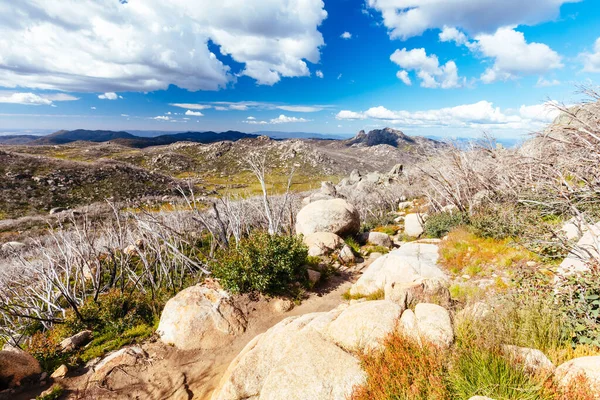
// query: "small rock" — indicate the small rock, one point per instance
point(75, 341)
point(13, 246)
point(347, 255)
point(531, 264)
point(434, 324)
point(378, 239)
point(533, 360)
point(313, 276)
point(322, 243)
point(57, 210)
point(282, 305)
point(60, 372)
point(413, 225)
point(125, 357)
point(466, 277)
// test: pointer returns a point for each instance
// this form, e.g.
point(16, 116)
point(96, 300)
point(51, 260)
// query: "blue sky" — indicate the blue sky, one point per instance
point(440, 68)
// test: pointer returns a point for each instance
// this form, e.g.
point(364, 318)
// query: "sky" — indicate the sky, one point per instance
point(445, 68)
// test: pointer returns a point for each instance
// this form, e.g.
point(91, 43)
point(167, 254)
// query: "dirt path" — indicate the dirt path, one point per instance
point(174, 374)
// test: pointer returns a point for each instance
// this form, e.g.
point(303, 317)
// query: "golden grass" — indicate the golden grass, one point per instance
point(465, 253)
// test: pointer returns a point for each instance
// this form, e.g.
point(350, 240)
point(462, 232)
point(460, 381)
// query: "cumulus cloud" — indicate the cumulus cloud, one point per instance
point(191, 106)
point(145, 45)
point(513, 56)
point(451, 34)
point(408, 18)
point(251, 118)
point(542, 82)
point(194, 113)
point(33, 99)
point(319, 74)
point(591, 61)
point(108, 96)
point(346, 35)
point(480, 115)
point(403, 76)
point(282, 119)
point(428, 68)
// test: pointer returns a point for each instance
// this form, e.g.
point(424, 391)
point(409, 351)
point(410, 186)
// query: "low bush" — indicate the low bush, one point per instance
point(269, 264)
point(438, 225)
point(404, 370)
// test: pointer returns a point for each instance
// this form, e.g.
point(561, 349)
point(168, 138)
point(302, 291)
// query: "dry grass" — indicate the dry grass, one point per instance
point(465, 253)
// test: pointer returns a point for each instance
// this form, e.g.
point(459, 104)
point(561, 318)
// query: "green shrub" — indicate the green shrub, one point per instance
point(56, 391)
point(438, 225)
point(353, 244)
point(499, 222)
point(269, 264)
point(579, 297)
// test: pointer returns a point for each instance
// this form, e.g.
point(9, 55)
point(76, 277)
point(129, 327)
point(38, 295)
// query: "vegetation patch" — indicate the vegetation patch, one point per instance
point(377, 295)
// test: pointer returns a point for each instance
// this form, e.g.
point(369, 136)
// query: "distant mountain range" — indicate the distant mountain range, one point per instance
point(123, 138)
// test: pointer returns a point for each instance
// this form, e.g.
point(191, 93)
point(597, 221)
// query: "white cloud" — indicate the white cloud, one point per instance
point(251, 118)
point(542, 82)
point(480, 115)
point(191, 106)
point(108, 96)
point(194, 113)
point(408, 18)
point(346, 35)
point(403, 76)
point(339, 77)
point(92, 108)
point(145, 45)
point(591, 61)
point(513, 56)
point(319, 74)
point(347, 114)
point(428, 69)
point(450, 34)
point(162, 118)
point(33, 99)
point(282, 119)
point(246, 105)
point(124, 115)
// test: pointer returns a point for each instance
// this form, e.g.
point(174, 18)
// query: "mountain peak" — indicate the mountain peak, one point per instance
point(390, 136)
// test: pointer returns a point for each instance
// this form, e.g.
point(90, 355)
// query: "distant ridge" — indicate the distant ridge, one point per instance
point(123, 138)
point(391, 137)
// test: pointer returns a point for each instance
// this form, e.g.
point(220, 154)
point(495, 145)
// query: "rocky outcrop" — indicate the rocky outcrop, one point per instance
point(429, 322)
point(127, 356)
point(407, 294)
point(200, 318)
point(307, 357)
point(16, 366)
point(335, 216)
point(584, 367)
point(412, 262)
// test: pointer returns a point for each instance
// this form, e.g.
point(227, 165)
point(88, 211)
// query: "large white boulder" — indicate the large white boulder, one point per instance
point(533, 361)
point(322, 243)
point(16, 365)
point(413, 224)
point(410, 263)
point(364, 325)
point(586, 367)
point(313, 368)
point(434, 324)
point(200, 318)
point(307, 357)
point(335, 216)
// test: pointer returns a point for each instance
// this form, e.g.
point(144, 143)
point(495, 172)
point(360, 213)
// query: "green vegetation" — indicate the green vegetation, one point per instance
point(377, 295)
point(438, 225)
point(56, 391)
point(353, 244)
point(270, 264)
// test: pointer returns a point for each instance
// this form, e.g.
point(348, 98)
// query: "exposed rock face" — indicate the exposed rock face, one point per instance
point(364, 325)
point(421, 291)
point(304, 358)
point(413, 225)
point(16, 365)
point(346, 255)
point(200, 318)
point(434, 324)
point(125, 357)
point(335, 216)
point(533, 360)
point(322, 243)
point(410, 263)
point(588, 367)
point(60, 372)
